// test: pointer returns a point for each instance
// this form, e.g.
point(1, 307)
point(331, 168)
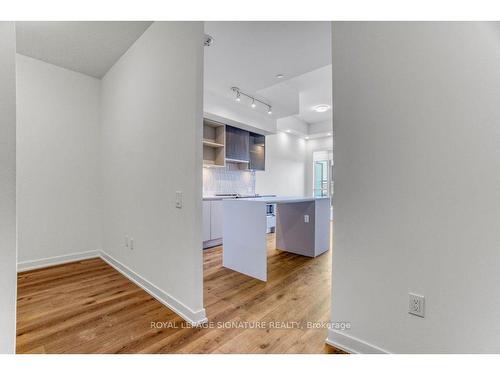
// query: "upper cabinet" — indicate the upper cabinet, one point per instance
point(257, 152)
point(227, 144)
point(237, 144)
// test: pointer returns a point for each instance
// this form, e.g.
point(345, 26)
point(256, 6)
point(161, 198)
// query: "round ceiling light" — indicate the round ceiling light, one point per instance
point(279, 76)
point(322, 108)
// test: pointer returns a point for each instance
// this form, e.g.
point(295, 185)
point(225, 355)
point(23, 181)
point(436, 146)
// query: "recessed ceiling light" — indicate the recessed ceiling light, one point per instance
point(307, 137)
point(279, 76)
point(322, 108)
point(328, 134)
point(288, 131)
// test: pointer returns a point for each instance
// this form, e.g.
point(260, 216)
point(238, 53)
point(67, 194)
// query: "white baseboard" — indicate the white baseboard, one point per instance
point(351, 344)
point(54, 261)
point(211, 243)
point(192, 317)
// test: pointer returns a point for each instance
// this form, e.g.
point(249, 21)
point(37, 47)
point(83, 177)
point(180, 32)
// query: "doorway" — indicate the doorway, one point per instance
point(323, 176)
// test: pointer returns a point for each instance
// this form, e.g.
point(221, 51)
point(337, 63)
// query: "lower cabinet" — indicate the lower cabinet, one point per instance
point(212, 223)
point(206, 221)
point(216, 220)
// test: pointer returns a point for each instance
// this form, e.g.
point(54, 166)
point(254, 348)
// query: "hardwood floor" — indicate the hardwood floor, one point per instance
point(88, 307)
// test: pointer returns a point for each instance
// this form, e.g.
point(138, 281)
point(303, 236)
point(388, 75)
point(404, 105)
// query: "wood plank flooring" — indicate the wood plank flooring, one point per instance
point(88, 307)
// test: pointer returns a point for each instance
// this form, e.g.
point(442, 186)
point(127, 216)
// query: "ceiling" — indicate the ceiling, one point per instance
point(299, 95)
point(249, 55)
point(89, 47)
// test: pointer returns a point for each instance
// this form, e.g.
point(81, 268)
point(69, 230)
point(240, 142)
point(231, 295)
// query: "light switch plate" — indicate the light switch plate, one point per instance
point(306, 218)
point(178, 199)
point(416, 305)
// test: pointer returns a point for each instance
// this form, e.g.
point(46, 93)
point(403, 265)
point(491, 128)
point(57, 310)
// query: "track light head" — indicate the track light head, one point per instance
point(270, 111)
point(253, 103)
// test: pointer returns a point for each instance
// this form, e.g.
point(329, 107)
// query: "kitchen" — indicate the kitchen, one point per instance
point(231, 158)
point(261, 137)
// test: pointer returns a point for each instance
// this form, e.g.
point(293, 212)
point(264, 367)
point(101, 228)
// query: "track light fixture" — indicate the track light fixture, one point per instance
point(254, 100)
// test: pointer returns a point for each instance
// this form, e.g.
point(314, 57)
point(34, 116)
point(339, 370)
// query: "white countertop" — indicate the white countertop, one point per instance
point(280, 199)
point(221, 197)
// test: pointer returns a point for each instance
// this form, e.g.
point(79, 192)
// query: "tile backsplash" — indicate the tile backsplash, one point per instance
point(228, 180)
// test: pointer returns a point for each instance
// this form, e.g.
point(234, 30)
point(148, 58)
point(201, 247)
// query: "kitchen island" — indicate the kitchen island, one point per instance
point(302, 227)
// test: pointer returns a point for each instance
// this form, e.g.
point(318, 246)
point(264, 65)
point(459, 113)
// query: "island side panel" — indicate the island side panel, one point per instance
point(244, 232)
point(293, 233)
point(322, 227)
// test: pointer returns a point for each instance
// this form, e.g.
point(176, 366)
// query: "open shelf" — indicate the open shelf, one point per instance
point(214, 142)
point(211, 143)
point(211, 164)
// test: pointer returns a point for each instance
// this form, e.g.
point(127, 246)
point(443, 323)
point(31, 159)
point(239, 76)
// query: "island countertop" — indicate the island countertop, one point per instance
point(270, 200)
point(302, 227)
point(225, 197)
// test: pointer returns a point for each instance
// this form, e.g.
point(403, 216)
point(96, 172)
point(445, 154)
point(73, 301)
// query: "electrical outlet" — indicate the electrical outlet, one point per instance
point(132, 244)
point(416, 304)
point(306, 218)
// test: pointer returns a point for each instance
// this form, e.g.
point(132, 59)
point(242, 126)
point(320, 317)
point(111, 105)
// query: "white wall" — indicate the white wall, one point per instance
point(7, 187)
point(285, 166)
point(417, 184)
point(58, 157)
point(151, 148)
point(316, 144)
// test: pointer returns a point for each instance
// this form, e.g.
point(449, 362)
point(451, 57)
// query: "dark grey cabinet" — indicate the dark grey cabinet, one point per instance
point(244, 146)
point(237, 143)
point(257, 146)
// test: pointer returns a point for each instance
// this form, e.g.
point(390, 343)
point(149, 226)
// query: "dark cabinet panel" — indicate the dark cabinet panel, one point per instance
point(257, 152)
point(237, 143)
